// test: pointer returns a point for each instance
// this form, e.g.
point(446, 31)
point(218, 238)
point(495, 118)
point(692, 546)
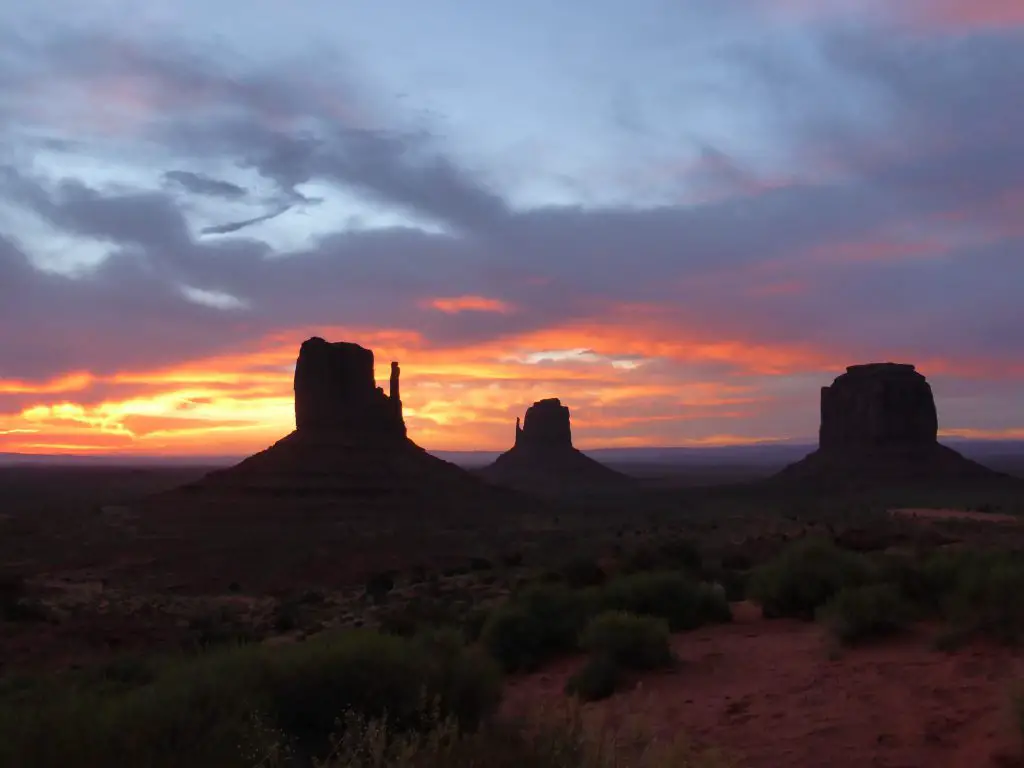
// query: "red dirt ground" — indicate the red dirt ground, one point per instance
point(771, 693)
point(956, 514)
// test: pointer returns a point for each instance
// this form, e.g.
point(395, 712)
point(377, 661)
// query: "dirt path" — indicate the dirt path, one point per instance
point(771, 691)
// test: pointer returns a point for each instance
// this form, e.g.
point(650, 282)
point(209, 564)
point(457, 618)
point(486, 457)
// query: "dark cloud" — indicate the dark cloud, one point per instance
point(201, 184)
point(945, 152)
point(235, 226)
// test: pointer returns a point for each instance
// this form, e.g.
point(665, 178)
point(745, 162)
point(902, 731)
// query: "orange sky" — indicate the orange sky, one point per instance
point(626, 382)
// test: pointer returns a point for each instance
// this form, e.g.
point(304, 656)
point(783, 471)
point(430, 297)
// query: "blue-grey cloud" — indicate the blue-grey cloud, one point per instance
point(201, 184)
point(892, 231)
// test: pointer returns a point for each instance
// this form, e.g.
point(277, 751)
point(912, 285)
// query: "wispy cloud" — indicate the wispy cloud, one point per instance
point(682, 241)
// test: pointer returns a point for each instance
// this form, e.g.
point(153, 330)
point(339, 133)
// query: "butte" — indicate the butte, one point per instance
point(543, 460)
point(879, 428)
point(345, 494)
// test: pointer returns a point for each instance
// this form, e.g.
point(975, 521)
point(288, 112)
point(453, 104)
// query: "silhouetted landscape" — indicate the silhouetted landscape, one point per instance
point(701, 568)
point(511, 385)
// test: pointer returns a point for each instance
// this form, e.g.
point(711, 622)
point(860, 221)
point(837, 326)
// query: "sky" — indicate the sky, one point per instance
point(682, 218)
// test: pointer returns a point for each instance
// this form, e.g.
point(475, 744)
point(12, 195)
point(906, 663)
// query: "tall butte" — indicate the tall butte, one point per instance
point(349, 459)
point(350, 438)
point(336, 393)
point(879, 426)
point(345, 493)
point(543, 460)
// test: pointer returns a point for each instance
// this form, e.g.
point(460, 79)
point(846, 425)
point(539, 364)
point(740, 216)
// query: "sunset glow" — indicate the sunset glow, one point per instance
point(682, 221)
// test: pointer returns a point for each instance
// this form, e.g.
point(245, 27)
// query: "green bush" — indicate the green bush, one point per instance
point(804, 577)
point(597, 679)
point(682, 602)
point(198, 711)
point(939, 575)
point(582, 572)
point(535, 626)
point(857, 614)
point(631, 642)
point(15, 602)
point(556, 740)
point(683, 554)
point(987, 598)
point(677, 554)
point(714, 603)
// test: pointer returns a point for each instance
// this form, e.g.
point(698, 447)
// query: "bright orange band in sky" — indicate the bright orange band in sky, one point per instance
point(455, 399)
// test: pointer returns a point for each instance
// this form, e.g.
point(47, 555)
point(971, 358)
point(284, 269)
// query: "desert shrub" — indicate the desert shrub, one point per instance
point(597, 679)
point(515, 639)
point(681, 601)
point(558, 740)
point(683, 554)
point(512, 559)
point(473, 624)
point(941, 572)
point(418, 613)
point(805, 576)
point(16, 604)
point(287, 616)
point(465, 682)
point(399, 623)
point(536, 625)
point(631, 642)
point(379, 585)
point(857, 614)
point(987, 598)
point(375, 675)
point(198, 711)
point(640, 559)
point(219, 627)
point(714, 603)
point(13, 594)
point(127, 671)
point(926, 582)
point(582, 572)
point(735, 585)
point(675, 554)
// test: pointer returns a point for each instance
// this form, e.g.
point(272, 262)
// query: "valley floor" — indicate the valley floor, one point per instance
point(778, 693)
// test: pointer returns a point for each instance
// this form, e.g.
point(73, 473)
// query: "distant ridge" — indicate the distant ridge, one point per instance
point(543, 460)
point(780, 452)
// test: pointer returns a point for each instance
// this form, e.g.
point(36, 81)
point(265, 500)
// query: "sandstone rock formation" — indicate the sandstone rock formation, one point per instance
point(350, 438)
point(335, 392)
point(546, 427)
point(879, 426)
point(879, 404)
point(347, 483)
point(543, 460)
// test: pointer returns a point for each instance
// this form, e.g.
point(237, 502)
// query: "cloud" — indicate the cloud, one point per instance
point(455, 304)
point(201, 184)
point(235, 226)
point(885, 226)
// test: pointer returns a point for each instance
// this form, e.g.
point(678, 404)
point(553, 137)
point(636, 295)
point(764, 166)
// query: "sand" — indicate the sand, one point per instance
point(774, 693)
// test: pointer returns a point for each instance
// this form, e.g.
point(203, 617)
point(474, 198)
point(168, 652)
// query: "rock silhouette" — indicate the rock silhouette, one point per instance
point(879, 425)
point(335, 391)
point(543, 460)
point(348, 471)
point(350, 438)
point(546, 427)
point(879, 404)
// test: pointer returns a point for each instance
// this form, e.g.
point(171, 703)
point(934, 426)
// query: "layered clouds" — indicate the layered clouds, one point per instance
point(681, 218)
